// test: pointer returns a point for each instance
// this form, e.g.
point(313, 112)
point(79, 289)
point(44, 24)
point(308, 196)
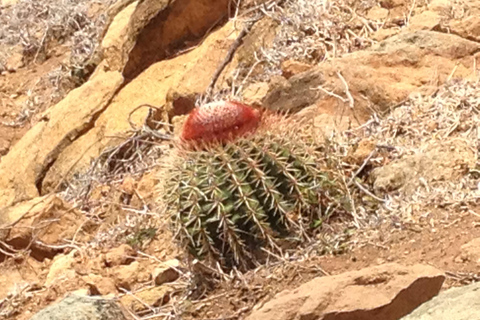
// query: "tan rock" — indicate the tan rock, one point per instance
point(177, 123)
point(407, 59)
point(45, 221)
point(167, 272)
point(385, 292)
point(8, 3)
point(61, 269)
point(468, 28)
point(427, 20)
point(9, 216)
point(383, 34)
point(122, 255)
point(377, 13)
point(15, 61)
point(255, 93)
point(119, 38)
point(23, 168)
point(440, 6)
point(100, 285)
point(364, 149)
point(471, 251)
point(127, 276)
point(151, 297)
point(169, 24)
point(390, 4)
point(129, 185)
point(146, 187)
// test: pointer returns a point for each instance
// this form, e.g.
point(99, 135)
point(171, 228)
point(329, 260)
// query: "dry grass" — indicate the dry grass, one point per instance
point(39, 26)
point(36, 30)
point(314, 31)
point(10, 306)
point(452, 113)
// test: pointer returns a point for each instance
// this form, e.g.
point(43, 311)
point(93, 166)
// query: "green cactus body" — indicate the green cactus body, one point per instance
point(230, 200)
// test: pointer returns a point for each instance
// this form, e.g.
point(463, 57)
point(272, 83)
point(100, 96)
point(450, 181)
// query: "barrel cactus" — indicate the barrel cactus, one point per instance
point(234, 199)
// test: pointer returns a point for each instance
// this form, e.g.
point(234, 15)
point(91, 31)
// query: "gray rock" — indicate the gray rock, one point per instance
point(454, 304)
point(81, 308)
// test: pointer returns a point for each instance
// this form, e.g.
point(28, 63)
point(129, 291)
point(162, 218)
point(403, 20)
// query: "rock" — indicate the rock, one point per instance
point(427, 20)
point(324, 124)
point(168, 272)
point(471, 251)
point(9, 216)
point(145, 189)
point(407, 59)
point(8, 3)
point(119, 39)
point(468, 28)
point(40, 223)
point(25, 166)
point(262, 35)
point(100, 285)
point(377, 13)
point(364, 149)
point(454, 304)
point(385, 292)
point(121, 255)
point(382, 34)
point(61, 269)
point(82, 308)
point(178, 123)
point(152, 297)
point(126, 276)
point(440, 6)
point(15, 61)
point(446, 162)
point(170, 23)
point(291, 68)
point(255, 93)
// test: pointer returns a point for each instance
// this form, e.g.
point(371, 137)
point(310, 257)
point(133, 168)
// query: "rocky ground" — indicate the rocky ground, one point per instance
point(92, 94)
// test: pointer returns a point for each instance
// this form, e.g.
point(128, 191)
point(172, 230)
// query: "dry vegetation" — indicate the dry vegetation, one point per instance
point(38, 30)
point(314, 31)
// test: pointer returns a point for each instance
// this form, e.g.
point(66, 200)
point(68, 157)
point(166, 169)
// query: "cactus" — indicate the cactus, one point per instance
point(229, 200)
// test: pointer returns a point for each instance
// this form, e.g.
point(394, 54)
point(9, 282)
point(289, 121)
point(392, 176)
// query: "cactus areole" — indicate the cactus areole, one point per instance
point(220, 121)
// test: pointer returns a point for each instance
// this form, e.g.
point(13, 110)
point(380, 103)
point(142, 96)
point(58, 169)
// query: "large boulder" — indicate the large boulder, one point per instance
point(385, 292)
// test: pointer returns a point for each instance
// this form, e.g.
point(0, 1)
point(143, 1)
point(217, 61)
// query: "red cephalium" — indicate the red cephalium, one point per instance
point(220, 121)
